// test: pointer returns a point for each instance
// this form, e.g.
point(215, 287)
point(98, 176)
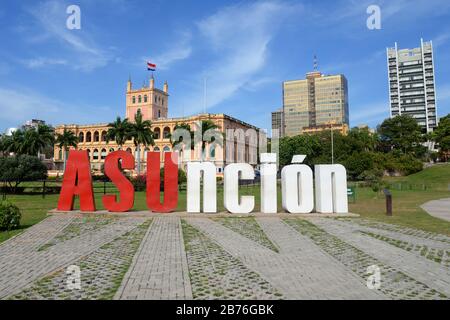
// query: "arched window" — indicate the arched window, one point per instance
point(162, 101)
point(145, 98)
point(103, 154)
point(166, 133)
point(212, 151)
point(139, 99)
point(88, 137)
point(111, 150)
point(157, 133)
point(96, 136)
point(95, 155)
point(103, 135)
point(81, 137)
point(89, 154)
point(156, 149)
point(129, 150)
point(134, 99)
point(60, 154)
point(166, 149)
point(159, 113)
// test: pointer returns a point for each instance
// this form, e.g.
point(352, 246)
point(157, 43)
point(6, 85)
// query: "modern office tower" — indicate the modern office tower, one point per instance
point(278, 121)
point(319, 102)
point(412, 84)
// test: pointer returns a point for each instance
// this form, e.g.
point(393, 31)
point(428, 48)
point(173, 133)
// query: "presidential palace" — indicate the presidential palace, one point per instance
point(154, 106)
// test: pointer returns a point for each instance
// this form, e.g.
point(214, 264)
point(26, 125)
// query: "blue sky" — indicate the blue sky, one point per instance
point(244, 48)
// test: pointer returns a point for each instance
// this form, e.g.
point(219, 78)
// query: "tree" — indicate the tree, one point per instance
point(441, 135)
point(66, 140)
point(119, 131)
point(15, 142)
point(20, 168)
point(362, 139)
point(37, 139)
point(401, 133)
point(205, 126)
point(142, 134)
point(182, 126)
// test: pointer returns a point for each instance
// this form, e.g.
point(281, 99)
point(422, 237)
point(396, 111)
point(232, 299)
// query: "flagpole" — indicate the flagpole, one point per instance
point(204, 95)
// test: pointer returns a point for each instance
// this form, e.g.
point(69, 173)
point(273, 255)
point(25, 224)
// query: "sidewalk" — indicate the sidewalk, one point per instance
point(438, 208)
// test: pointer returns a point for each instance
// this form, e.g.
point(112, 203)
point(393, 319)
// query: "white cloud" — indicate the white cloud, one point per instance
point(43, 62)
point(82, 51)
point(238, 38)
point(179, 51)
point(20, 104)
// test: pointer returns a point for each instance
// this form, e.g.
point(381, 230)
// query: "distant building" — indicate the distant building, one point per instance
point(278, 121)
point(316, 103)
point(412, 84)
point(33, 123)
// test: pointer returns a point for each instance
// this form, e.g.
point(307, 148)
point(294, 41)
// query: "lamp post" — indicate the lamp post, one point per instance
point(332, 140)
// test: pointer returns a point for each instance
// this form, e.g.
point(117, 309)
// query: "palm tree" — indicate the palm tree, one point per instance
point(141, 133)
point(119, 131)
point(37, 139)
point(15, 142)
point(186, 127)
point(205, 126)
point(66, 140)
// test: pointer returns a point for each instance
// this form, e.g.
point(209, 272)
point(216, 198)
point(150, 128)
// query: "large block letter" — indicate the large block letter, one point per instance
point(125, 187)
point(331, 188)
point(194, 171)
point(297, 188)
point(268, 182)
point(170, 182)
point(231, 188)
point(77, 168)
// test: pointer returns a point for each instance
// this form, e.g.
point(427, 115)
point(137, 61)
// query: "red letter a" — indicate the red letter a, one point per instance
point(77, 167)
point(124, 185)
point(170, 182)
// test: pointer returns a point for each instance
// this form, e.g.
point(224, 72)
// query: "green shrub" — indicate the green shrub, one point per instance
point(139, 182)
point(17, 169)
point(9, 216)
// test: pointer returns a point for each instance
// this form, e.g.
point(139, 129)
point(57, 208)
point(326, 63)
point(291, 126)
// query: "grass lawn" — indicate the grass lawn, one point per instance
point(406, 210)
point(406, 203)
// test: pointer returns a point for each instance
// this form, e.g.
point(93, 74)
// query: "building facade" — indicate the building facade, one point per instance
point(278, 122)
point(316, 103)
point(153, 104)
point(412, 84)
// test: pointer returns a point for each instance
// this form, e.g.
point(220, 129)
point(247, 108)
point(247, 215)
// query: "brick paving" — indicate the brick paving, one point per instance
point(223, 258)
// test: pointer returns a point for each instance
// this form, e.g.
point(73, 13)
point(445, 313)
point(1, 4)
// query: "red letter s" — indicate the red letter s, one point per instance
point(125, 187)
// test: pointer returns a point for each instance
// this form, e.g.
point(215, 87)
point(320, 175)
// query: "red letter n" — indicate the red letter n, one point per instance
point(125, 187)
point(170, 182)
point(77, 181)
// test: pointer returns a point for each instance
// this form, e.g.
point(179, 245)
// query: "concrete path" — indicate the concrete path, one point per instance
point(438, 208)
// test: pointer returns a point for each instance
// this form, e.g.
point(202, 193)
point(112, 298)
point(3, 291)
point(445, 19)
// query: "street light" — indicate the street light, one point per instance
point(332, 140)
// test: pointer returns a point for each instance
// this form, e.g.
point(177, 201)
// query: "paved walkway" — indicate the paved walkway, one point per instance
point(438, 208)
point(160, 269)
point(173, 257)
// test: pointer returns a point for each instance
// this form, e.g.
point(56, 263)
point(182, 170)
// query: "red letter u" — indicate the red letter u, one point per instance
point(170, 182)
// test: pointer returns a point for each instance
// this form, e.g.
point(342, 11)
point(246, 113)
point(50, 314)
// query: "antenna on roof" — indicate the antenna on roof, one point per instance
point(315, 63)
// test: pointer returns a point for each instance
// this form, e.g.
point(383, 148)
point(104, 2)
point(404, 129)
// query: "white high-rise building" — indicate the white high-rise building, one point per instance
point(412, 84)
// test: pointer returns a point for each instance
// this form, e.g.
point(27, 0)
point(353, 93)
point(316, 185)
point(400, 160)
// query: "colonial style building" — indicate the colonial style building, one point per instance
point(153, 104)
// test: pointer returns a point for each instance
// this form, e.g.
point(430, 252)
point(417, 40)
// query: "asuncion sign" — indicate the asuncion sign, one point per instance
point(301, 192)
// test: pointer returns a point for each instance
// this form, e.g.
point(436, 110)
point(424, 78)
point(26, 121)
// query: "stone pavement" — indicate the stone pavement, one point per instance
point(197, 257)
point(438, 208)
